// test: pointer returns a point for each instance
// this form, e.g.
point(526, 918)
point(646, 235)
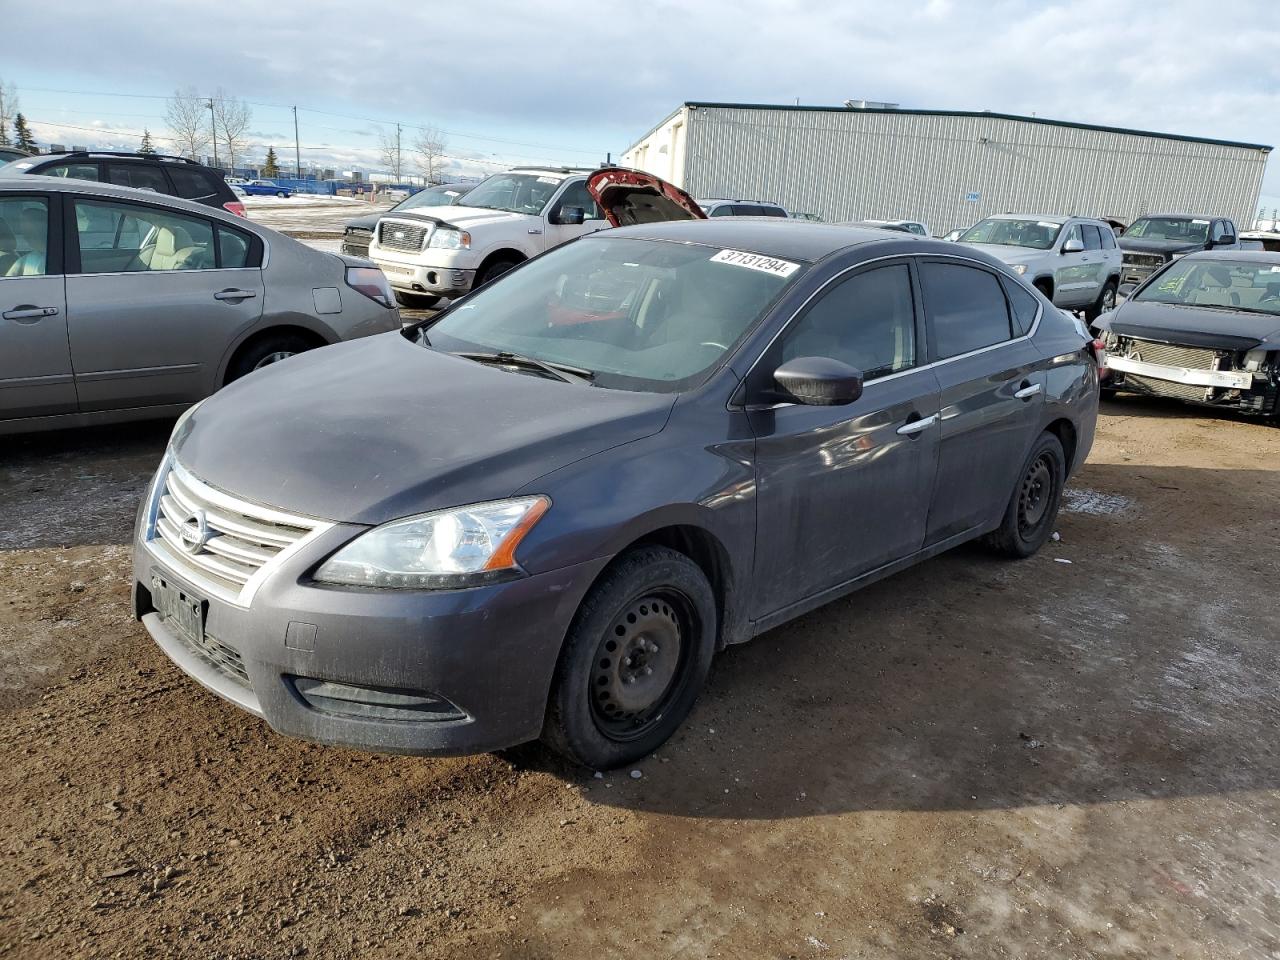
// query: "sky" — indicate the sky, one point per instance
point(515, 82)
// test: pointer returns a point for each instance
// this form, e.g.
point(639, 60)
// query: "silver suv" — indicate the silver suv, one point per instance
point(1074, 261)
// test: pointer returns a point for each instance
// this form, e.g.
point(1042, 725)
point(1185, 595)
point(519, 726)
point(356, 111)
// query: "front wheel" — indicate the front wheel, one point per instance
point(494, 270)
point(1033, 508)
point(634, 660)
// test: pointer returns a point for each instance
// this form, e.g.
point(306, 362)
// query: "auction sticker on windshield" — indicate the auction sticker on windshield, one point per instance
point(756, 261)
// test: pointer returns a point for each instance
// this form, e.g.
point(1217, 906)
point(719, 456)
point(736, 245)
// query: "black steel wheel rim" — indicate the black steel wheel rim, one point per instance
point(640, 665)
point(1035, 495)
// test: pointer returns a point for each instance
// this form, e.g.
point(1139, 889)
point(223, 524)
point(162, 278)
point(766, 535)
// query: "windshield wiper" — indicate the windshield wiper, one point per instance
point(559, 371)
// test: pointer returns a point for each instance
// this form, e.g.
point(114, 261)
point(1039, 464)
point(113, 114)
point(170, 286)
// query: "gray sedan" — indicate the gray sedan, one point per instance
point(119, 304)
point(543, 512)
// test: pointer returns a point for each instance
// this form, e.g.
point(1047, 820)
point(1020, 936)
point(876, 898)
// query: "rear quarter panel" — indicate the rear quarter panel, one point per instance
point(1071, 379)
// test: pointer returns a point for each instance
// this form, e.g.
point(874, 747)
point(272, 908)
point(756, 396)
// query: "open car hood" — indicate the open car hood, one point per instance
point(628, 197)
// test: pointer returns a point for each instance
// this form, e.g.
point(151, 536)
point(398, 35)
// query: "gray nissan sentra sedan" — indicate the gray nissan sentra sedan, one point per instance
point(543, 512)
point(122, 304)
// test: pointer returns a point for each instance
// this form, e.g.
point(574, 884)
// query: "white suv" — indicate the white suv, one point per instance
point(433, 252)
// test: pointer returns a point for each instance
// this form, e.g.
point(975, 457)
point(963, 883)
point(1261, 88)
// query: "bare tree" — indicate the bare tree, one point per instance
point(430, 145)
point(392, 152)
point(187, 114)
point(232, 117)
point(8, 109)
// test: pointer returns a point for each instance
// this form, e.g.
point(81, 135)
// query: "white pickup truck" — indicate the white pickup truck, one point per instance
point(433, 252)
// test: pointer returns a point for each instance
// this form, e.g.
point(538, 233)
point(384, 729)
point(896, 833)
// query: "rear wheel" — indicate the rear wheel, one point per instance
point(1106, 302)
point(268, 350)
point(1033, 508)
point(634, 661)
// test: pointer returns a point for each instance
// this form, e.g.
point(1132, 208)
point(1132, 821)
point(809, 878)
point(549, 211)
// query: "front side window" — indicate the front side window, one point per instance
point(137, 175)
point(127, 238)
point(1182, 229)
point(724, 210)
point(1037, 234)
point(24, 236)
point(639, 314)
point(1073, 234)
point(966, 306)
point(1243, 286)
point(514, 192)
point(867, 321)
point(72, 171)
point(577, 195)
point(1219, 230)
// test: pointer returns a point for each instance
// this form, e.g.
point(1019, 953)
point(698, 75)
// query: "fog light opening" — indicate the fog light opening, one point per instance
point(373, 703)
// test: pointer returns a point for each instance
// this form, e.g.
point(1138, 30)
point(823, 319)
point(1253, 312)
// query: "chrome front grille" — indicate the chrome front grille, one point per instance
point(401, 235)
point(221, 544)
point(1137, 267)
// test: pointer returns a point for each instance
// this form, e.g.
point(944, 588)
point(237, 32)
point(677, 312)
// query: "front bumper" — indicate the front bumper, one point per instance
point(440, 281)
point(488, 653)
point(1224, 379)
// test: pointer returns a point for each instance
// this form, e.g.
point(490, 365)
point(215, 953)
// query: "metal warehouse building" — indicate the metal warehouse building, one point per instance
point(947, 168)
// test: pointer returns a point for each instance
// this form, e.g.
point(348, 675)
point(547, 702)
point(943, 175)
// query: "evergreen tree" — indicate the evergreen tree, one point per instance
point(271, 166)
point(147, 147)
point(22, 138)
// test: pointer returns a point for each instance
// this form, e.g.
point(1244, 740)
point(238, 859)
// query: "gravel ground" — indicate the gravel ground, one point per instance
point(973, 759)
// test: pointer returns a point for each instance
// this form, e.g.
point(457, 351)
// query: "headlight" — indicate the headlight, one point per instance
point(450, 238)
point(1018, 268)
point(448, 549)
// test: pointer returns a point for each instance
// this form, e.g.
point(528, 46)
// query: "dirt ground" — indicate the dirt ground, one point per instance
point(973, 759)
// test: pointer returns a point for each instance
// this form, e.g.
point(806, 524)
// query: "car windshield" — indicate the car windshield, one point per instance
point(514, 192)
point(1247, 286)
point(431, 197)
point(1038, 234)
point(639, 314)
point(1170, 228)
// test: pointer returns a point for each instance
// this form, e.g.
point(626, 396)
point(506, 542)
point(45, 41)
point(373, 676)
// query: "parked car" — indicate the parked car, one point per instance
point(658, 441)
point(171, 176)
point(12, 153)
point(433, 252)
point(1205, 328)
point(123, 305)
point(1074, 261)
point(236, 181)
point(741, 208)
point(358, 231)
point(953, 235)
point(266, 188)
point(1151, 242)
point(910, 226)
point(812, 217)
point(1269, 239)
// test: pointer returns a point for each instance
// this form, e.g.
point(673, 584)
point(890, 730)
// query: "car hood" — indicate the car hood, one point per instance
point(1007, 253)
point(460, 216)
point(628, 197)
point(380, 428)
point(367, 222)
point(1138, 245)
point(1196, 326)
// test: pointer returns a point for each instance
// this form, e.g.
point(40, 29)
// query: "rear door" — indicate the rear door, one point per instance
point(843, 490)
point(154, 298)
point(992, 393)
point(35, 362)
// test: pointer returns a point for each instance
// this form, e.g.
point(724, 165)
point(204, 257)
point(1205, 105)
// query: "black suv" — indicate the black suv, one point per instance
point(172, 176)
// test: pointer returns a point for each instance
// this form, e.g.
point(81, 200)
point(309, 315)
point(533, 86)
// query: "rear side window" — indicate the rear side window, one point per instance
point(235, 248)
point(24, 237)
point(1108, 238)
point(967, 308)
point(1092, 238)
point(771, 212)
point(194, 184)
point(72, 171)
point(1022, 305)
point(139, 176)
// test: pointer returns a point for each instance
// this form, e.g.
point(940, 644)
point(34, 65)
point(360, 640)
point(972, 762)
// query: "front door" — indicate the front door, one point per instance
point(992, 393)
point(843, 490)
point(35, 363)
point(573, 195)
point(1073, 277)
point(154, 300)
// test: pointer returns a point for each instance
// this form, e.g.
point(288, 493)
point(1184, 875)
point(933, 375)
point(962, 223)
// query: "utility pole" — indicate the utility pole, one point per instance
point(399, 174)
point(213, 125)
point(297, 150)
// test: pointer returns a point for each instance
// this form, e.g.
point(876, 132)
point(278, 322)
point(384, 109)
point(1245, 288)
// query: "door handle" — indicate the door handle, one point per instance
point(234, 294)
point(28, 313)
point(1027, 392)
point(913, 428)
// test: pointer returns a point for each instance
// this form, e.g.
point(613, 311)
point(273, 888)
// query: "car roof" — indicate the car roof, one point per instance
point(786, 239)
point(763, 203)
point(1252, 256)
point(35, 181)
point(1182, 216)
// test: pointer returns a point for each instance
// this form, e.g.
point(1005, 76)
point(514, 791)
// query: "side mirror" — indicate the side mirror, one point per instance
point(1073, 246)
point(570, 216)
point(1225, 241)
point(819, 381)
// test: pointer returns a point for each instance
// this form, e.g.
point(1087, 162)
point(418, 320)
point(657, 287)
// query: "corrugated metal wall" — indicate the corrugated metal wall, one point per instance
point(852, 165)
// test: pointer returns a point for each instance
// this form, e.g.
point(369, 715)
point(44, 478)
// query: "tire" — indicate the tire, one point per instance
point(496, 269)
point(1045, 289)
point(1106, 301)
point(650, 618)
point(281, 194)
point(267, 351)
point(416, 301)
point(1033, 508)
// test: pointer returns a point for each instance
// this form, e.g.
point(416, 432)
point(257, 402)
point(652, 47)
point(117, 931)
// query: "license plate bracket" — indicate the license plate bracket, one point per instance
point(179, 609)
